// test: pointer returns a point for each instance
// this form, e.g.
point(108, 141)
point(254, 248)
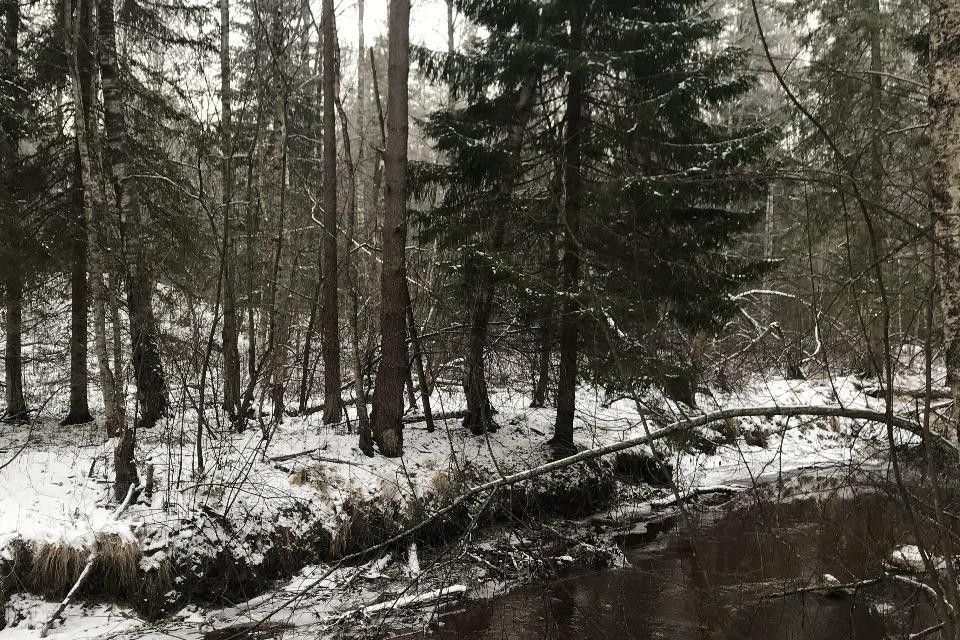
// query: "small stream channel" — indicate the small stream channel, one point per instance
point(712, 584)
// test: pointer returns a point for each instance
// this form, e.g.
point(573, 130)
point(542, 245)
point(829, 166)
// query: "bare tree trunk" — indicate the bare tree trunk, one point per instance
point(359, 216)
point(330, 307)
point(16, 409)
point(307, 366)
point(418, 357)
point(479, 418)
point(279, 309)
point(79, 411)
point(546, 331)
point(229, 336)
point(79, 31)
point(570, 266)
point(147, 368)
point(306, 370)
point(151, 386)
point(945, 141)
point(388, 393)
point(872, 361)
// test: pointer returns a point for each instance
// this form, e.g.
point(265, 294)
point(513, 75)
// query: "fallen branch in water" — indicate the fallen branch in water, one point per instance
point(828, 588)
point(692, 493)
point(429, 597)
point(590, 454)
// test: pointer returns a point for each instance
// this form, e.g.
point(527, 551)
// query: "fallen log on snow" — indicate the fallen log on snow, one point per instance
point(589, 454)
point(450, 415)
point(435, 596)
point(915, 393)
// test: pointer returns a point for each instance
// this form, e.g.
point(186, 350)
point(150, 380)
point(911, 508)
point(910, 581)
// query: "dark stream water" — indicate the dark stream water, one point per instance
point(711, 584)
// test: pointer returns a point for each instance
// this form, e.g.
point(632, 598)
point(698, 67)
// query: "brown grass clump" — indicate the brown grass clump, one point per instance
point(362, 523)
point(54, 568)
point(117, 567)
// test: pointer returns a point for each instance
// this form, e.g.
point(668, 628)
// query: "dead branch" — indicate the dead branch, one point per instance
point(87, 569)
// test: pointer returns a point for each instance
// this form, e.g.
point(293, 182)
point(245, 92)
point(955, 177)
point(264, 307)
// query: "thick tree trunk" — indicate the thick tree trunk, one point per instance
point(147, 368)
point(229, 335)
point(388, 393)
point(330, 307)
point(479, 418)
point(16, 408)
point(79, 411)
point(570, 266)
point(945, 141)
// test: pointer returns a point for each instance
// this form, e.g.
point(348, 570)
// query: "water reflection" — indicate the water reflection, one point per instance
point(712, 585)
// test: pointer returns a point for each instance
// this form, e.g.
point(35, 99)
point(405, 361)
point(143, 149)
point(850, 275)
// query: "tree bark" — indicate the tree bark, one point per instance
point(546, 331)
point(16, 409)
point(570, 266)
point(945, 142)
point(147, 368)
point(357, 219)
point(418, 357)
point(77, 39)
point(388, 392)
point(873, 359)
point(229, 335)
point(330, 307)
point(79, 411)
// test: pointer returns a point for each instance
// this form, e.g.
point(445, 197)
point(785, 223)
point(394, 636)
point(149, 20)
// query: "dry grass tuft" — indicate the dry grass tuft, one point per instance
point(118, 565)
point(54, 568)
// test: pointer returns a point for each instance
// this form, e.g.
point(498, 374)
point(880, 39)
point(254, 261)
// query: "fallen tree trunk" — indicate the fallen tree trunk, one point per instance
point(597, 452)
point(914, 393)
point(437, 417)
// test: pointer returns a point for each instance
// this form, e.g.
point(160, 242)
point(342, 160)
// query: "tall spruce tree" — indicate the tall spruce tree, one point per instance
point(622, 141)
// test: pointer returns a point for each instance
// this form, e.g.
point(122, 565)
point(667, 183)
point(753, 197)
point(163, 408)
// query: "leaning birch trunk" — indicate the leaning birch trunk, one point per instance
point(147, 368)
point(151, 386)
point(92, 203)
point(945, 142)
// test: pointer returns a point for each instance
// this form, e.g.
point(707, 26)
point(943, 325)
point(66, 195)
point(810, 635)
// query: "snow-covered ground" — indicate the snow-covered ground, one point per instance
point(55, 488)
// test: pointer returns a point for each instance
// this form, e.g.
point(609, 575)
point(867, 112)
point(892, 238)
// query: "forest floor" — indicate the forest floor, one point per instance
point(260, 532)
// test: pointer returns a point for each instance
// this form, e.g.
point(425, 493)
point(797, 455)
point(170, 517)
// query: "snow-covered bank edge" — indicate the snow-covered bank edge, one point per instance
point(232, 536)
